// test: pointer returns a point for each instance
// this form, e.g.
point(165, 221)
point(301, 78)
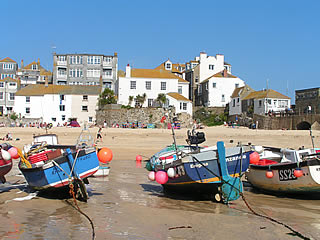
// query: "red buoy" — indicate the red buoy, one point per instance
point(138, 158)
point(298, 172)
point(105, 155)
point(269, 174)
point(254, 158)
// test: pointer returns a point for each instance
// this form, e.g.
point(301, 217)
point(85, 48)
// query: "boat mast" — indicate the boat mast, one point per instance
point(172, 129)
point(312, 137)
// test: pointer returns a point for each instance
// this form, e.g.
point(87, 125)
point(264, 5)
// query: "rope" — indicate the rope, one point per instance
point(79, 210)
point(298, 234)
point(23, 159)
point(74, 162)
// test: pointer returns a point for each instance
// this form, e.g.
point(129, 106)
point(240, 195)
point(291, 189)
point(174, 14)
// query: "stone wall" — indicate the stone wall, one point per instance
point(141, 115)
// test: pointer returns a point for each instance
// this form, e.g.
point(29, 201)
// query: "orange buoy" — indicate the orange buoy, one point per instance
point(298, 172)
point(269, 174)
point(105, 155)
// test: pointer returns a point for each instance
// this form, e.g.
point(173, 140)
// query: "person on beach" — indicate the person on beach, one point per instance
point(99, 134)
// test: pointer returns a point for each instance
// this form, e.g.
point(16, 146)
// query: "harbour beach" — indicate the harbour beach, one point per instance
point(126, 205)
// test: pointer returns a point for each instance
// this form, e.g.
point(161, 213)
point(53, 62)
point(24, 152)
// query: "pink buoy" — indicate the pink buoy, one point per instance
point(152, 176)
point(269, 174)
point(254, 158)
point(13, 152)
point(161, 177)
point(138, 158)
point(298, 172)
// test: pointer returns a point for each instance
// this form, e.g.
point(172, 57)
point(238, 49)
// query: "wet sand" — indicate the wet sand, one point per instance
point(126, 205)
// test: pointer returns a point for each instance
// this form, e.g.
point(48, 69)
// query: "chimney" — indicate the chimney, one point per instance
point(38, 61)
point(203, 56)
point(128, 71)
point(225, 72)
point(115, 54)
point(22, 65)
point(46, 81)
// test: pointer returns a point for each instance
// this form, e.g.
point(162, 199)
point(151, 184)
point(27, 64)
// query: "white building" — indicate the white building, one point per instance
point(267, 101)
point(236, 104)
point(216, 90)
point(57, 103)
point(181, 103)
point(151, 82)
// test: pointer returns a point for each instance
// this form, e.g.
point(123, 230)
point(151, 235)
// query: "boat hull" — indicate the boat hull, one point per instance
point(284, 181)
point(51, 176)
point(5, 167)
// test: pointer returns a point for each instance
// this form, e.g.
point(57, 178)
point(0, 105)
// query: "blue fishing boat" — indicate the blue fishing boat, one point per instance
point(57, 166)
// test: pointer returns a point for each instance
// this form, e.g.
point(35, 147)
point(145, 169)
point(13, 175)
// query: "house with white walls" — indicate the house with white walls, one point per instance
point(181, 103)
point(201, 68)
point(216, 90)
point(57, 103)
point(175, 68)
point(236, 106)
point(151, 82)
point(267, 101)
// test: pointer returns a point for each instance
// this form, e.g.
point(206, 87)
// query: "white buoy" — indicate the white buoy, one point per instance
point(5, 155)
point(171, 173)
point(152, 176)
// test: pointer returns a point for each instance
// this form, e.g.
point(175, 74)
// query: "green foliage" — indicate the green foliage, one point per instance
point(161, 99)
point(130, 100)
point(107, 97)
point(126, 106)
point(13, 116)
point(140, 100)
point(210, 119)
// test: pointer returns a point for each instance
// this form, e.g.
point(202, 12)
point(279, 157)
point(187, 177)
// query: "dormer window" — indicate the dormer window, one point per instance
point(34, 67)
point(168, 66)
point(211, 67)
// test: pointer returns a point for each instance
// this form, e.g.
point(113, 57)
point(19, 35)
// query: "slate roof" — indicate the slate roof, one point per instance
point(220, 75)
point(265, 94)
point(40, 90)
point(178, 97)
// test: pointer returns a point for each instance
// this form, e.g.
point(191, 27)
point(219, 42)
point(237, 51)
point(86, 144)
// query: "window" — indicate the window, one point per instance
point(90, 119)
point(133, 84)
point(236, 85)
point(93, 73)
point(184, 106)
point(85, 108)
point(222, 98)
point(260, 103)
point(11, 96)
point(269, 101)
point(62, 58)
point(207, 85)
point(1, 84)
point(1, 95)
point(148, 85)
point(75, 59)
point(94, 60)
point(27, 110)
point(75, 72)
point(238, 100)
point(163, 85)
point(275, 102)
point(107, 73)
point(197, 79)
point(107, 59)
point(85, 97)
point(8, 66)
point(54, 119)
point(233, 103)
point(12, 84)
point(214, 85)
point(62, 71)
point(62, 97)
point(62, 108)
point(150, 102)
point(168, 66)
point(180, 89)
point(3, 76)
point(108, 85)
point(211, 67)
point(27, 99)
point(34, 67)
point(63, 117)
point(181, 106)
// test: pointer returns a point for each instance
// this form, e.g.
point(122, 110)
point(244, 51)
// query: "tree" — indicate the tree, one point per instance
point(141, 99)
point(107, 97)
point(130, 100)
point(161, 99)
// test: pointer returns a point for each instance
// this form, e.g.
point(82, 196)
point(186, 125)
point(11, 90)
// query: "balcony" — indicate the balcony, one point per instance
point(107, 64)
point(61, 63)
point(59, 76)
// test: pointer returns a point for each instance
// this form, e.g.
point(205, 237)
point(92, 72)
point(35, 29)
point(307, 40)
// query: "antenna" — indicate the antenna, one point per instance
point(267, 83)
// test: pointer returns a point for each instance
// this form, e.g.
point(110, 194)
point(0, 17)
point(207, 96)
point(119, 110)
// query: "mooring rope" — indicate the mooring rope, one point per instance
point(298, 234)
point(79, 210)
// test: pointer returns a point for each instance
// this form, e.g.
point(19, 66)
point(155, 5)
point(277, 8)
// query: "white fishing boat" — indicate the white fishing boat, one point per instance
point(286, 170)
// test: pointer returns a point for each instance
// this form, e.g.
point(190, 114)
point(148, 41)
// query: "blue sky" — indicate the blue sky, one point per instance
point(274, 40)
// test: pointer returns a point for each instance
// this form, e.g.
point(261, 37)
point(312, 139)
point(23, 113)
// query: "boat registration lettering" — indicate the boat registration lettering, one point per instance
point(198, 165)
point(56, 170)
point(235, 158)
point(287, 174)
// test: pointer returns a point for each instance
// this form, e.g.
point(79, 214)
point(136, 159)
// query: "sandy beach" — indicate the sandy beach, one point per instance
point(126, 205)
